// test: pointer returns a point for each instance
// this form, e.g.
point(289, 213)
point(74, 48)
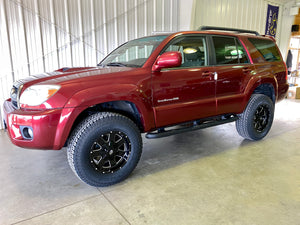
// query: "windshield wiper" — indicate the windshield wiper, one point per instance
point(116, 64)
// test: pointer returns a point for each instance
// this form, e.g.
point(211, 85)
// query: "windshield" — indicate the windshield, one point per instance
point(133, 53)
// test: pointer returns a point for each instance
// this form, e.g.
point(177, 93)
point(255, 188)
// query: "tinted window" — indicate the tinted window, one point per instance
point(229, 51)
point(267, 49)
point(192, 49)
point(242, 54)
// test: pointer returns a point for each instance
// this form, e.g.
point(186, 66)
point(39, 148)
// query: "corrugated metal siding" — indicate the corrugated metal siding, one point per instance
point(242, 14)
point(43, 35)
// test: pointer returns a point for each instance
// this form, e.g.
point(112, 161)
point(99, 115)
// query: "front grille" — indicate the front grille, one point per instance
point(15, 104)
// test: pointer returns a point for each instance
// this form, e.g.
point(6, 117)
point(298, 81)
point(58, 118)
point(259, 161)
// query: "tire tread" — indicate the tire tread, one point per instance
point(81, 131)
point(242, 124)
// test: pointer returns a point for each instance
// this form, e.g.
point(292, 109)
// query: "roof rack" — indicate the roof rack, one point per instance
point(203, 28)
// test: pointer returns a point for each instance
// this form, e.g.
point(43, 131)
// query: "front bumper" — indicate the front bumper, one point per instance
point(44, 124)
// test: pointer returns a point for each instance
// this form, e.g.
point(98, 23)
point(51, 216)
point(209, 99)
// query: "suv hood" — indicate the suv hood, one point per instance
point(68, 74)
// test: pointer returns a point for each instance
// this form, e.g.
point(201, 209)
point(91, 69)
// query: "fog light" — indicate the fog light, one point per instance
point(27, 132)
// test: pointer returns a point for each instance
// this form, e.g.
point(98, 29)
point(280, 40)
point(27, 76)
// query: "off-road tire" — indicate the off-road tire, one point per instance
point(104, 149)
point(256, 121)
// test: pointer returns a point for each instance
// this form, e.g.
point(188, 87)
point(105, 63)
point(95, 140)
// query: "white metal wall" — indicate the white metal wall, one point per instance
point(43, 35)
point(242, 14)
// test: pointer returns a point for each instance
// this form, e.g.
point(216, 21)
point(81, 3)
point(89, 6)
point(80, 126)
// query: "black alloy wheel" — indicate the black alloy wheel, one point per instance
point(110, 152)
point(261, 118)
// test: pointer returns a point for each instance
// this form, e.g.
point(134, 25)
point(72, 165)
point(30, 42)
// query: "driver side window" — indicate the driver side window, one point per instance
point(192, 49)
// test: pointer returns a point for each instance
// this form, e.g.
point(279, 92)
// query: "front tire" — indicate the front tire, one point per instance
point(104, 149)
point(256, 121)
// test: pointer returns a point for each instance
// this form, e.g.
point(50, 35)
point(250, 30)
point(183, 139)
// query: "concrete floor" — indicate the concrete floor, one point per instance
point(210, 176)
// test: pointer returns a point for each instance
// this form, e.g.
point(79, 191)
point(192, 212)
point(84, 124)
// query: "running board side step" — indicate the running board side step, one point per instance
point(161, 132)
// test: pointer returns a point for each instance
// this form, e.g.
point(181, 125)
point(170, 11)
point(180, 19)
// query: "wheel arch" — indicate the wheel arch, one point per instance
point(125, 108)
point(266, 89)
point(265, 85)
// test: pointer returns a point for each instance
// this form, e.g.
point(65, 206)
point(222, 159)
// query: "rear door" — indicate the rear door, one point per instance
point(233, 70)
point(187, 92)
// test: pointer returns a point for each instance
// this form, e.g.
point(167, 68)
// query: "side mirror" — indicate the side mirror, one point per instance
point(167, 60)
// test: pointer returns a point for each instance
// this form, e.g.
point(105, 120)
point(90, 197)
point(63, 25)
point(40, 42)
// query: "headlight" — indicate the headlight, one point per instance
point(37, 94)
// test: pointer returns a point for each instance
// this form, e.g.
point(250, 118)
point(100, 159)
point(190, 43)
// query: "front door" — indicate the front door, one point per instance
point(187, 92)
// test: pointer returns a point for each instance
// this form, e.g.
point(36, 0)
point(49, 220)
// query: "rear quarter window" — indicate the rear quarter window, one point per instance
point(267, 48)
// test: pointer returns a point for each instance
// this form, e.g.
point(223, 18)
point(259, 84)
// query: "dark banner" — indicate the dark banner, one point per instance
point(272, 20)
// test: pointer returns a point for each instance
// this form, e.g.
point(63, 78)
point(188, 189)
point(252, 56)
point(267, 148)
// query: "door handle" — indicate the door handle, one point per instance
point(210, 74)
point(207, 74)
point(246, 70)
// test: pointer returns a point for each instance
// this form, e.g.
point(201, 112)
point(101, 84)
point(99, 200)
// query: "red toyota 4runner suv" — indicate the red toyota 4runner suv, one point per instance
point(159, 85)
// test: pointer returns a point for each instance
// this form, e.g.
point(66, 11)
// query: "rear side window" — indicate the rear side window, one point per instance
point(267, 49)
point(229, 51)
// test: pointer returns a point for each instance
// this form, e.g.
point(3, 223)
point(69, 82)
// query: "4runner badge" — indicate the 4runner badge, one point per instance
point(168, 100)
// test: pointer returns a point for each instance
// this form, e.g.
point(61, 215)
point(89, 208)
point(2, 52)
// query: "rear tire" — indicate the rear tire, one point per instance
point(104, 149)
point(256, 121)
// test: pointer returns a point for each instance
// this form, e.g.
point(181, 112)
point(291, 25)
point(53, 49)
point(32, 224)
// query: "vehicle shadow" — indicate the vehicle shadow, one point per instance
point(165, 153)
